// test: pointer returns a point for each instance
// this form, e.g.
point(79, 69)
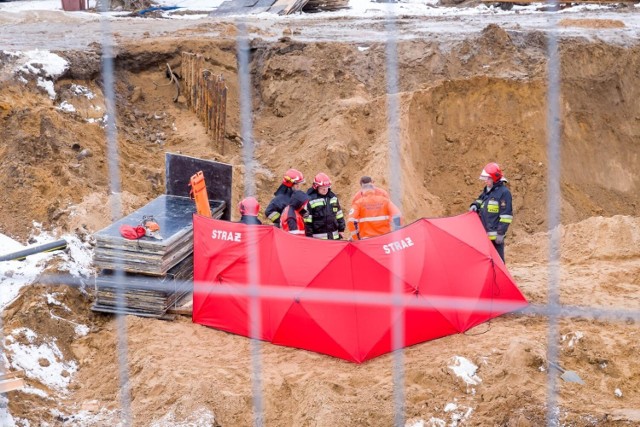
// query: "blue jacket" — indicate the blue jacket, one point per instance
point(278, 203)
point(326, 219)
point(495, 209)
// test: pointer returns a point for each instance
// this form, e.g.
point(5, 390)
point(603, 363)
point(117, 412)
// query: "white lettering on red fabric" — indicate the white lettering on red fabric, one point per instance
point(399, 245)
point(226, 235)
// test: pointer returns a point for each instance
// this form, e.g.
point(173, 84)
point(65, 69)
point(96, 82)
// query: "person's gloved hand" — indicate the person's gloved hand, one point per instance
point(473, 208)
point(499, 239)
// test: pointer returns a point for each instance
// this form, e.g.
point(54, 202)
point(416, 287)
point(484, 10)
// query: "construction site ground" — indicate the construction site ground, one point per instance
point(473, 89)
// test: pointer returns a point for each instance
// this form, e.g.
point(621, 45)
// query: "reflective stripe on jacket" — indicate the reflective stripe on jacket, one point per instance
point(278, 203)
point(372, 214)
point(292, 221)
point(495, 209)
point(325, 215)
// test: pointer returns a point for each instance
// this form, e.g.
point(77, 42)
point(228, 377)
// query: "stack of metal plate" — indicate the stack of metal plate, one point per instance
point(155, 271)
point(151, 255)
point(142, 295)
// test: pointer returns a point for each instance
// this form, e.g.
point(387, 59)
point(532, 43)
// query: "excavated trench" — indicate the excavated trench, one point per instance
point(321, 106)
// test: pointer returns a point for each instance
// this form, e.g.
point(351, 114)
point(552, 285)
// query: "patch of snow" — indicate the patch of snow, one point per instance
point(573, 338)
point(173, 15)
point(51, 300)
point(80, 90)
point(9, 245)
point(5, 417)
point(22, 6)
point(199, 418)
point(460, 417)
point(436, 422)
point(465, 369)
point(42, 61)
point(66, 107)
point(16, 274)
point(86, 418)
point(78, 259)
point(33, 390)
point(27, 357)
point(81, 330)
point(450, 407)
point(48, 87)
point(27, 333)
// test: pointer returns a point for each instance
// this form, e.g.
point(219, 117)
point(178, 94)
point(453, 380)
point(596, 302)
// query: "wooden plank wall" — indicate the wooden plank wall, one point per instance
point(206, 95)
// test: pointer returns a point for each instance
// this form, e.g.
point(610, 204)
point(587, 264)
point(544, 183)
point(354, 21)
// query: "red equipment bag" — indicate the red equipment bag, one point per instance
point(132, 233)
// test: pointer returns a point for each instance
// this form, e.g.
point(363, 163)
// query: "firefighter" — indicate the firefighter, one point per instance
point(493, 206)
point(368, 180)
point(290, 182)
point(325, 220)
point(294, 214)
point(372, 213)
point(249, 208)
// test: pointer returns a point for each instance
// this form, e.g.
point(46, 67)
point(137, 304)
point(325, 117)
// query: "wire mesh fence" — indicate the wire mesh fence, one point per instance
point(553, 310)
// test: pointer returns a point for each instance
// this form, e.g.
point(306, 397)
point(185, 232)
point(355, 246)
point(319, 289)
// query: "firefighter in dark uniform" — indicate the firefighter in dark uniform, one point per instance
point(494, 206)
point(326, 219)
point(294, 214)
point(290, 182)
point(249, 208)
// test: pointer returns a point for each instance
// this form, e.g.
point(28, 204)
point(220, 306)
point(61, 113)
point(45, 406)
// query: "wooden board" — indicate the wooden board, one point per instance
point(280, 6)
point(10, 375)
point(241, 7)
point(11, 384)
point(183, 311)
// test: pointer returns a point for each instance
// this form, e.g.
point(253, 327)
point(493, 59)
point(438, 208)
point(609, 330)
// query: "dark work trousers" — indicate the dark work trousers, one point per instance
point(500, 249)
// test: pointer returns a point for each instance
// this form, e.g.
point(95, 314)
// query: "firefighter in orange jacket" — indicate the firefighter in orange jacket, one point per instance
point(294, 214)
point(368, 180)
point(372, 214)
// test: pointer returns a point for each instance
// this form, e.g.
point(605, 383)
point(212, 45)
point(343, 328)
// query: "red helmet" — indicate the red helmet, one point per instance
point(291, 177)
point(249, 206)
point(493, 171)
point(321, 180)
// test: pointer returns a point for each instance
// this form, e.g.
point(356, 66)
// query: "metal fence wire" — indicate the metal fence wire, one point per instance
point(208, 109)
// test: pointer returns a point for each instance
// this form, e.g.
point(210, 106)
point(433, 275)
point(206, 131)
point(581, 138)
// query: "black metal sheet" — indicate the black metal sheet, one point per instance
point(262, 6)
point(217, 176)
point(235, 7)
point(172, 213)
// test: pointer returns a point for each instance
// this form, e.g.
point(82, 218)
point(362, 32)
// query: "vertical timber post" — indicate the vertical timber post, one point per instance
point(206, 95)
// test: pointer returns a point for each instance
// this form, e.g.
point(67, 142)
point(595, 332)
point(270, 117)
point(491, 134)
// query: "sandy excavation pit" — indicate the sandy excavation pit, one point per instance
point(467, 98)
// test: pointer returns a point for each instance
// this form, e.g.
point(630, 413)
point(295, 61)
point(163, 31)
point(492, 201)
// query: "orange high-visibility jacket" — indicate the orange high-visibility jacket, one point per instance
point(290, 213)
point(372, 214)
point(377, 190)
